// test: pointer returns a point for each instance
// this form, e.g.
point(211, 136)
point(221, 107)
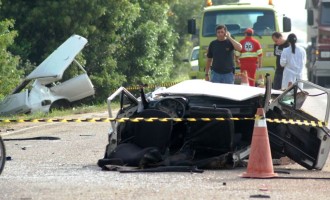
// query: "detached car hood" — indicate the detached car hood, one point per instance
point(53, 67)
point(206, 88)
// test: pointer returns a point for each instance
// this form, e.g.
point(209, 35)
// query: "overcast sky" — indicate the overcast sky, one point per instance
point(295, 9)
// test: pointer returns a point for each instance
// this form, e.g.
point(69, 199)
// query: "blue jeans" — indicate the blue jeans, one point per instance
point(222, 78)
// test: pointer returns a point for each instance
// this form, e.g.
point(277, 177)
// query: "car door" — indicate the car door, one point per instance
point(297, 124)
point(74, 89)
point(128, 106)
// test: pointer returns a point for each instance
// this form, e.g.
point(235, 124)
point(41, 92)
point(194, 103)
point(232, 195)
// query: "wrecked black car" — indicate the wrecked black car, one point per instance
point(196, 123)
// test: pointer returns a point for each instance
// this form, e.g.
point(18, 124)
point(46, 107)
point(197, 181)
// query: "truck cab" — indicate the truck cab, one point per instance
point(237, 17)
point(318, 34)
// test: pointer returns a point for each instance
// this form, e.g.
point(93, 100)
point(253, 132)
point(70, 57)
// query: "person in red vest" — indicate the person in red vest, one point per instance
point(250, 57)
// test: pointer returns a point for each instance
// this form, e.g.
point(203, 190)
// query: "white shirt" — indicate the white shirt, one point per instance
point(293, 64)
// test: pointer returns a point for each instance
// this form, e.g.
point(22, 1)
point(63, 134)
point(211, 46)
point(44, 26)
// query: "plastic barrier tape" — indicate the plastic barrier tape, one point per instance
point(154, 119)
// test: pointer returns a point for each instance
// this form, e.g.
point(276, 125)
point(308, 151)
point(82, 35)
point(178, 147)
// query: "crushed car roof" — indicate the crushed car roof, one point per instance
point(206, 88)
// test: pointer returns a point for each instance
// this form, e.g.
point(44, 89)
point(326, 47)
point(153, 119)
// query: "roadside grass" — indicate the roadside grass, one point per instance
point(72, 111)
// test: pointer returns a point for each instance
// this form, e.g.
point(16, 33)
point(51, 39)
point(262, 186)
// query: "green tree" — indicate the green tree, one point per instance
point(179, 14)
point(130, 41)
point(9, 75)
point(150, 41)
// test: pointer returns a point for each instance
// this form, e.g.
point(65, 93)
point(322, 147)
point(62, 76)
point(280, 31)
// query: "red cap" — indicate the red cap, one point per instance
point(249, 30)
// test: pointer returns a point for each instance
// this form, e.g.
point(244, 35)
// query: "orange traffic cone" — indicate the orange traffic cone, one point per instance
point(244, 78)
point(260, 164)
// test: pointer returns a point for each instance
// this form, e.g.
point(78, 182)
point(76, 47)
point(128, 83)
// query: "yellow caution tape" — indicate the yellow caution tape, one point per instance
point(298, 122)
point(151, 86)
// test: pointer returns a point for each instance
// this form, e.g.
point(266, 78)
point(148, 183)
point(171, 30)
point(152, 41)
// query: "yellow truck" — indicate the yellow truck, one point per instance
point(263, 18)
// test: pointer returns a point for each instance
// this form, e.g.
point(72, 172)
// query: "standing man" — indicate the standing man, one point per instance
point(293, 59)
point(250, 57)
point(279, 45)
point(221, 54)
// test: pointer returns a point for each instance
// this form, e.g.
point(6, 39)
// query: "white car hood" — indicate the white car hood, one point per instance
point(207, 88)
point(53, 67)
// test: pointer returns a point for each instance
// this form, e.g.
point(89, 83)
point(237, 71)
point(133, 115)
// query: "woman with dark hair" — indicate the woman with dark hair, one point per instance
point(293, 59)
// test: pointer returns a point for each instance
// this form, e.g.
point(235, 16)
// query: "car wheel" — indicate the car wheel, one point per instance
point(59, 105)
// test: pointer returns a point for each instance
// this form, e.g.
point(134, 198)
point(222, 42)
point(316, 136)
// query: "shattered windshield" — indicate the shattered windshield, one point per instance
point(325, 14)
point(310, 100)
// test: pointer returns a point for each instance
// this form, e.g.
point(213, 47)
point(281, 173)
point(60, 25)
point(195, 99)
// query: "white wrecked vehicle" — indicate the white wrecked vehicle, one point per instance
point(196, 123)
point(47, 92)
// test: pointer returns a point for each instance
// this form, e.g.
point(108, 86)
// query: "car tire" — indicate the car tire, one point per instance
point(2, 155)
point(59, 105)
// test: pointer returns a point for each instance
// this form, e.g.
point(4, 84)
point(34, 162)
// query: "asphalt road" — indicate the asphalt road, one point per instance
point(65, 168)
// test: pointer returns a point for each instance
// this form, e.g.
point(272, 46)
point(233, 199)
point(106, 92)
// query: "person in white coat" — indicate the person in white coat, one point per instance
point(293, 59)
